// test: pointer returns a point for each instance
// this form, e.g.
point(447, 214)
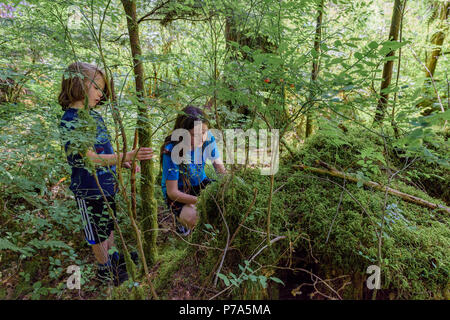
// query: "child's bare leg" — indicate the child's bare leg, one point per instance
point(101, 251)
point(188, 216)
point(111, 240)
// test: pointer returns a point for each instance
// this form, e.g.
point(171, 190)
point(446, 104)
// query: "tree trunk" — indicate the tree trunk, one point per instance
point(234, 32)
point(387, 70)
point(148, 209)
point(315, 66)
point(438, 39)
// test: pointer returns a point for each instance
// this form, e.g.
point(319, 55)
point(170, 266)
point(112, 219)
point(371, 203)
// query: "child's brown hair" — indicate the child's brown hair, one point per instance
point(185, 120)
point(73, 85)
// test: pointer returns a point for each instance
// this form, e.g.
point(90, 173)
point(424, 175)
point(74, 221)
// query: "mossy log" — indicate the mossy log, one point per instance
point(404, 196)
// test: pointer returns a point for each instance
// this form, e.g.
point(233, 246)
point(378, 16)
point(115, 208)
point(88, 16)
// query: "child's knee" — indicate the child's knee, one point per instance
point(110, 239)
point(189, 215)
point(103, 245)
point(192, 219)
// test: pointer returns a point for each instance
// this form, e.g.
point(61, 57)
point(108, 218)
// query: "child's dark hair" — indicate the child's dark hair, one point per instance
point(73, 86)
point(185, 120)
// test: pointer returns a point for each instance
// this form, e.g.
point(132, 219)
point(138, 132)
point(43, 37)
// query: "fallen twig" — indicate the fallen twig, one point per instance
point(404, 196)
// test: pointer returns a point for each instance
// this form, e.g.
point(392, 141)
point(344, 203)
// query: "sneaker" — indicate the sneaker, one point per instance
point(184, 231)
point(134, 257)
point(119, 265)
point(120, 276)
point(112, 274)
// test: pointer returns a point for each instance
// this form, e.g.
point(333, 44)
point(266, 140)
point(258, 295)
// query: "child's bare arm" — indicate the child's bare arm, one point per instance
point(174, 194)
point(219, 166)
point(111, 159)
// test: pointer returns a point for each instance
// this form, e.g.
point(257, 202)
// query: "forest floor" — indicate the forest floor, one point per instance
point(305, 206)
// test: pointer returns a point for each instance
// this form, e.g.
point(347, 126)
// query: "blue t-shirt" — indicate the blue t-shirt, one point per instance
point(195, 172)
point(83, 183)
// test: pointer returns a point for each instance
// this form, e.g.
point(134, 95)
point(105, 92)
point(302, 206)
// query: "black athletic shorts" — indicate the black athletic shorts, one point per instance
point(176, 206)
point(97, 223)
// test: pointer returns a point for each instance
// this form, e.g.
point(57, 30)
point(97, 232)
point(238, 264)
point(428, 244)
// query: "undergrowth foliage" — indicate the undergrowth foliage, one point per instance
point(40, 228)
point(334, 226)
point(322, 224)
point(250, 63)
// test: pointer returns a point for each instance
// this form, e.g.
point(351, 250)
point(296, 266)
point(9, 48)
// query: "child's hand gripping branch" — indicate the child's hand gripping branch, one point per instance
point(128, 165)
point(111, 159)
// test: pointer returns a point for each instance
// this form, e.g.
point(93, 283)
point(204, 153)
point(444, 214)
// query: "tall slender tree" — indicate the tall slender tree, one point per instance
point(148, 209)
point(440, 13)
point(389, 64)
point(315, 65)
point(437, 39)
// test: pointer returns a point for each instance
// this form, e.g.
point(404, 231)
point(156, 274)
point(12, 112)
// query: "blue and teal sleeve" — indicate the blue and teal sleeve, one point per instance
point(211, 150)
point(169, 168)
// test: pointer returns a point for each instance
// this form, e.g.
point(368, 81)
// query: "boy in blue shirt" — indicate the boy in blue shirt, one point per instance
point(84, 135)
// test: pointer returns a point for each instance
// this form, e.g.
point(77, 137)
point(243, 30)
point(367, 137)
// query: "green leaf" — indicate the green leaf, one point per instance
point(7, 245)
point(394, 45)
point(373, 45)
point(52, 244)
point(208, 226)
point(336, 60)
point(37, 285)
point(277, 280)
point(361, 162)
point(224, 278)
point(263, 281)
point(358, 55)
point(369, 63)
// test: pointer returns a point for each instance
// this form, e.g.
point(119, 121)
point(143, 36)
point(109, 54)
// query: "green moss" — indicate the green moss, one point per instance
point(416, 240)
point(171, 260)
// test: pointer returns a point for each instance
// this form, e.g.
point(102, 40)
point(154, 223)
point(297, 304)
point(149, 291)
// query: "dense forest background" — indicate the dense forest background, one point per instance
point(359, 91)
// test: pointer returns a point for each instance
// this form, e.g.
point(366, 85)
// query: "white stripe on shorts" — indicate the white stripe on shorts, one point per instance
point(87, 224)
point(89, 220)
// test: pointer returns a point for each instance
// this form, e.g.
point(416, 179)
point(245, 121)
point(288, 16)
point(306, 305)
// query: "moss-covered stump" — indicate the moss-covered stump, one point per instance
point(324, 229)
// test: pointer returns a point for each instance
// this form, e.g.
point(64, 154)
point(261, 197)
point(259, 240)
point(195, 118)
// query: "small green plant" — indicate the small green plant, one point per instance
point(247, 274)
point(370, 158)
point(209, 229)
